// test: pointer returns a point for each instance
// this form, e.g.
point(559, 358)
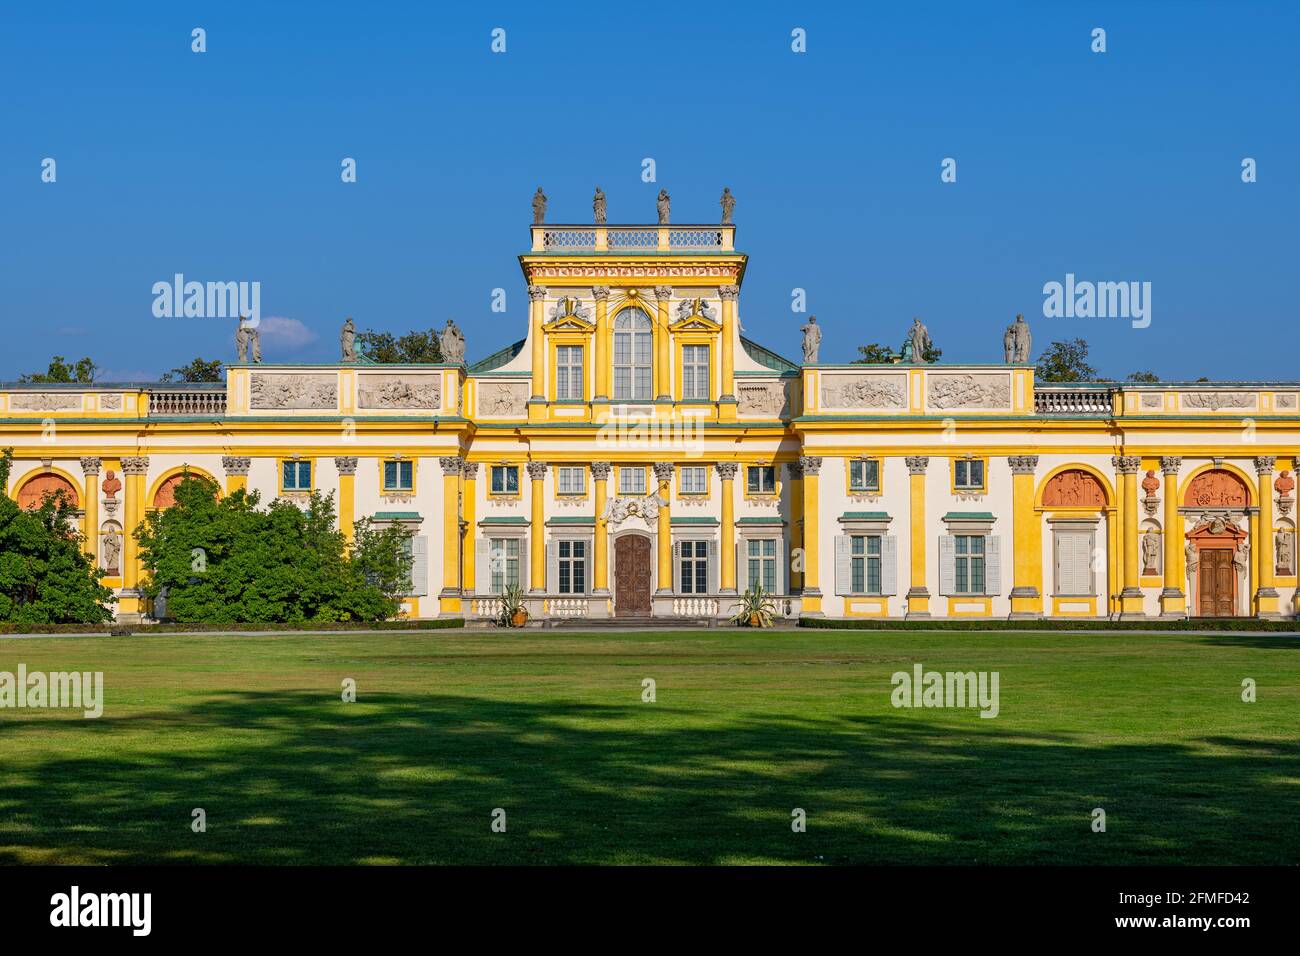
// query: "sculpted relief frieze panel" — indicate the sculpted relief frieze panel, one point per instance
point(44, 401)
point(503, 399)
point(317, 392)
point(761, 398)
point(399, 391)
point(864, 391)
point(968, 391)
point(1214, 401)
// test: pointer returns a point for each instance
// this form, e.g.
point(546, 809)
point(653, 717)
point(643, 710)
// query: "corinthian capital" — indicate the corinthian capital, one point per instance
point(137, 465)
point(728, 293)
point(663, 292)
point(1264, 464)
point(1170, 464)
point(1023, 464)
point(236, 464)
point(600, 292)
point(536, 293)
point(916, 464)
point(1126, 464)
point(810, 464)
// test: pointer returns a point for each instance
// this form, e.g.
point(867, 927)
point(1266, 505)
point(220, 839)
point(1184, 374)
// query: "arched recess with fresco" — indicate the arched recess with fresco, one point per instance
point(163, 495)
point(1074, 500)
point(1216, 501)
point(34, 490)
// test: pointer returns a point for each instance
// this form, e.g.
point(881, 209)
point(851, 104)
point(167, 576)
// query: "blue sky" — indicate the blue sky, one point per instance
point(1119, 166)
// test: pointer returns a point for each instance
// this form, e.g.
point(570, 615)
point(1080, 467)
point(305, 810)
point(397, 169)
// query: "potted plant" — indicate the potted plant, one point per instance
point(756, 608)
point(514, 612)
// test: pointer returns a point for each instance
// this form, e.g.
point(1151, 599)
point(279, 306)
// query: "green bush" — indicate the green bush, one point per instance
point(993, 624)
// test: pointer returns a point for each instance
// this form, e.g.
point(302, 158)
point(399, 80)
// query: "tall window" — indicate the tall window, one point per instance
point(504, 557)
point(633, 348)
point(968, 474)
point(631, 480)
point(864, 563)
point(568, 372)
point(970, 563)
point(505, 479)
point(297, 475)
point(864, 474)
point(571, 480)
point(399, 475)
point(760, 479)
point(1074, 563)
point(695, 371)
point(695, 480)
point(695, 567)
point(573, 567)
point(761, 558)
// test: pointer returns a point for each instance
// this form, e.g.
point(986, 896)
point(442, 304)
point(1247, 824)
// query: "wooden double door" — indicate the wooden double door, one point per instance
point(632, 576)
point(1217, 583)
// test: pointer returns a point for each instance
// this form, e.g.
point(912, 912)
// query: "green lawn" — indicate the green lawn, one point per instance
point(551, 727)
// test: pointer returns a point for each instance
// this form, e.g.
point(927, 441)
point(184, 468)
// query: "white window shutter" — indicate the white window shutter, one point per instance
point(947, 564)
point(993, 564)
point(888, 564)
point(552, 566)
point(742, 568)
point(1074, 563)
point(483, 566)
point(676, 582)
point(843, 570)
point(419, 565)
point(782, 567)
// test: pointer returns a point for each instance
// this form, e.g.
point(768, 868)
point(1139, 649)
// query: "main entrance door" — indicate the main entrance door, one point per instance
point(632, 576)
point(1217, 579)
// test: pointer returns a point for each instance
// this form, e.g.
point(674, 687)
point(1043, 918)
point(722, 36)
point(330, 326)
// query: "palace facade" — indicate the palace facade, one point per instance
point(636, 456)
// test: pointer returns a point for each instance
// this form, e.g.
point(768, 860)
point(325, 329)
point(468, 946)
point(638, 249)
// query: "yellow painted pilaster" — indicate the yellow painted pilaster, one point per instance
point(728, 384)
point(537, 535)
point(601, 340)
point(1266, 598)
point(133, 492)
point(468, 509)
point(1173, 601)
point(90, 468)
point(664, 477)
point(449, 599)
point(796, 524)
point(236, 468)
point(536, 318)
point(663, 382)
point(1027, 540)
point(347, 466)
point(812, 595)
point(918, 594)
point(1130, 599)
point(727, 563)
point(600, 547)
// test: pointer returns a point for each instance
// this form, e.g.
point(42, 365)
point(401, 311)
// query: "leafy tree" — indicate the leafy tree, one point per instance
point(45, 576)
point(411, 348)
point(1143, 377)
point(199, 370)
point(81, 372)
point(225, 560)
point(1066, 362)
point(875, 354)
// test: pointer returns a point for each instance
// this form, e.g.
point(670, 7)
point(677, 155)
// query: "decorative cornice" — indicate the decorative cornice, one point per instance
point(91, 466)
point(728, 293)
point(137, 465)
point(600, 470)
point(916, 464)
point(727, 470)
point(1170, 464)
point(1023, 464)
point(346, 464)
point(1126, 464)
point(633, 269)
point(537, 470)
point(451, 465)
point(235, 464)
point(811, 464)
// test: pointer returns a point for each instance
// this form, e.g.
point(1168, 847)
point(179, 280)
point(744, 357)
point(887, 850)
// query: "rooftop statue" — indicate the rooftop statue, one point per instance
point(728, 203)
point(812, 341)
point(348, 341)
point(539, 207)
point(663, 204)
point(1017, 343)
point(598, 207)
point(453, 343)
point(246, 338)
point(917, 343)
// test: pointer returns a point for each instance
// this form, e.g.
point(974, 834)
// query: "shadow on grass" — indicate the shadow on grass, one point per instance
point(290, 778)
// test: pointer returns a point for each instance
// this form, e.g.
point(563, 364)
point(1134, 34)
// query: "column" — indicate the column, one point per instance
point(537, 536)
point(727, 563)
point(1130, 599)
point(133, 492)
point(727, 386)
point(600, 357)
point(812, 595)
point(1266, 597)
point(918, 595)
point(600, 546)
point(90, 468)
point(796, 524)
point(663, 386)
point(1173, 602)
point(468, 505)
point(236, 468)
point(1027, 541)
point(536, 318)
point(664, 477)
point(449, 598)
point(347, 467)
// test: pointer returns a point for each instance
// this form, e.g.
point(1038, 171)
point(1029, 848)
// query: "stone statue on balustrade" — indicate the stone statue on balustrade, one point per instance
point(539, 207)
point(248, 339)
point(663, 205)
point(728, 203)
point(348, 341)
point(1018, 343)
point(598, 207)
point(453, 344)
point(812, 341)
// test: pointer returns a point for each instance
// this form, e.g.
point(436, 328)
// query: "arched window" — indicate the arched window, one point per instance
point(633, 349)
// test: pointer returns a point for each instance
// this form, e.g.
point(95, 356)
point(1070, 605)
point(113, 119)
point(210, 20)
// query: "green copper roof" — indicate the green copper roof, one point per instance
point(968, 516)
point(865, 516)
point(694, 521)
point(760, 520)
point(398, 516)
point(497, 359)
point(573, 519)
point(767, 357)
point(505, 520)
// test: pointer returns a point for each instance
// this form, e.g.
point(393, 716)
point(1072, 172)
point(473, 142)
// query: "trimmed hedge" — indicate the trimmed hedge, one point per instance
point(434, 624)
point(1053, 624)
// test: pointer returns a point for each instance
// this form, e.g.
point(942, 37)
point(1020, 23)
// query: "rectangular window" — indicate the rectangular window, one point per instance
point(969, 549)
point(695, 480)
point(864, 475)
point(695, 371)
point(399, 475)
point(504, 563)
point(695, 567)
point(568, 372)
point(505, 479)
point(571, 480)
point(760, 556)
point(864, 564)
point(631, 481)
point(297, 475)
point(760, 479)
point(968, 474)
point(573, 567)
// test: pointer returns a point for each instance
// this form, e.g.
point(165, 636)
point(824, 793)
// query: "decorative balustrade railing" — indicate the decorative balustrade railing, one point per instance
point(582, 238)
point(567, 606)
point(695, 607)
point(1073, 401)
point(187, 402)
